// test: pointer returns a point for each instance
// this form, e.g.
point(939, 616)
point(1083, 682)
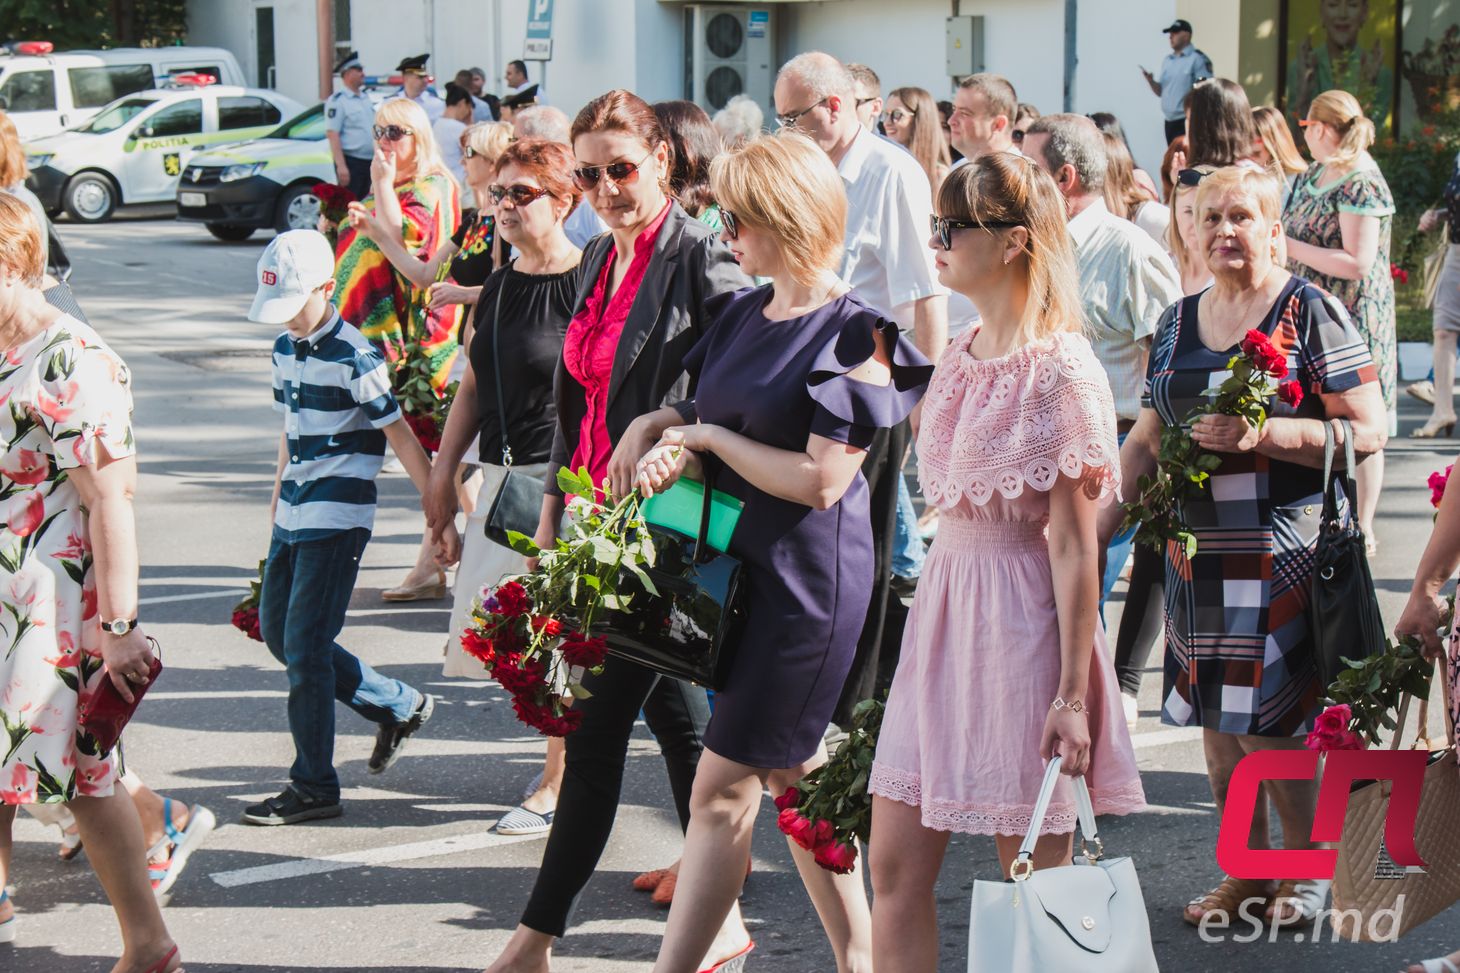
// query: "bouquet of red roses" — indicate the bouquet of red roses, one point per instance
point(424, 408)
point(1182, 467)
point(829, 810)
point(334, 205)
point(246, 612)
point(533, 633)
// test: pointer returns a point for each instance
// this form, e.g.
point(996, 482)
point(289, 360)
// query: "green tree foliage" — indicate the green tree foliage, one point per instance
point(71, 24)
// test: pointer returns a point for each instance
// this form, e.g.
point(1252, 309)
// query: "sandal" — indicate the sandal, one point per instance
point(1226, 898)
point(161, 965)
point(1440, 964)
point(649, 881)
point(178, 846)
point(7, 928)
point(732, 964)
point(1306, 899)
point(70, 844)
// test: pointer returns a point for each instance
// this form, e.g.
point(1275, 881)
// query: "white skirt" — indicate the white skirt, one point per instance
point(483, 564)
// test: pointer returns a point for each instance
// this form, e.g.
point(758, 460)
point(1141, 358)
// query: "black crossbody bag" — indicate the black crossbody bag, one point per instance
point(518, 503)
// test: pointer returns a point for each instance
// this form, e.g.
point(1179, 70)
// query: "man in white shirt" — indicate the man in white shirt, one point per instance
point(516, 78)
point(448, 130)
point(547, 122)
point(984, 109)
point(889, 265)
point(868, 93)
point(1127, 281)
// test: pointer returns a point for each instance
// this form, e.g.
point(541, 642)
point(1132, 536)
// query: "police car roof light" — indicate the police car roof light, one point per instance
point(190, 79)
point(34, 48)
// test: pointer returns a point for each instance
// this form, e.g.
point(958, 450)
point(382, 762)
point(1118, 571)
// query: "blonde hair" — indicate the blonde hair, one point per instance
point(926, 142)
point(1277, 138)
point(1340, 111)
point(787, 186)
point(22, 241)
point(12, 155)
point(489, 139)
point(408, 114)
point(1261, 186)
point(1003, 187)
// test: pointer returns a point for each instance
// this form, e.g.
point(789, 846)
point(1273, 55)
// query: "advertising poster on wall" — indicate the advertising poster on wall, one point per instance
point(1430, 64)
point(1346, 44)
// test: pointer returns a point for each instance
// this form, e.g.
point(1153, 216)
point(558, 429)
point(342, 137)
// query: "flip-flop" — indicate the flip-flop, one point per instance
point(521, 821)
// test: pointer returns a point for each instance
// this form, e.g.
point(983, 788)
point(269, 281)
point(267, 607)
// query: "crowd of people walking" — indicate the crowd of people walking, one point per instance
point(650, 293)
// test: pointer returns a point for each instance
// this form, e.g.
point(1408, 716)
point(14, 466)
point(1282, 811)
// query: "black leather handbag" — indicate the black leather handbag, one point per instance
point(1343, 609)
point(687, 630)
point(518, 503)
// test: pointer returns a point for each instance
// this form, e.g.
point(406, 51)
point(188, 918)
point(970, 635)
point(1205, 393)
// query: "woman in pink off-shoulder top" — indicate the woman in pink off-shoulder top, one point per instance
point(1003, 660)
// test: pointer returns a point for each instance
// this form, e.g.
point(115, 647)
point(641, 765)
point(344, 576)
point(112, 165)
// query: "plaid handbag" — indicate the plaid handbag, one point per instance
point(1365, 882)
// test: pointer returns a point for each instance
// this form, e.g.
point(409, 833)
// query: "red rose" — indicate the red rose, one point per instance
point(1335, 719)
point(822, 834)
point(479, 647)
point(548, 626)
point(791, 798)
point(796, 826)
point(1275, 365)
point(521, 678)
point(1255, 344)
point(837, 856)
point(1291, 393)
point(579, 650)
point(246, 620)
point(1437, 483)
point(512, 600)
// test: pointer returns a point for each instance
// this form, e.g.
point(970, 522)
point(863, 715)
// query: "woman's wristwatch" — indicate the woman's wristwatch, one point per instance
point(119, 626)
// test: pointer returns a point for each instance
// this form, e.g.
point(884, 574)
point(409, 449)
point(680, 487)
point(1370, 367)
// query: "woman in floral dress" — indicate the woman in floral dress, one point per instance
point(68, 561)
point(416, 200)
point(1003, 661)
point(1337, 223)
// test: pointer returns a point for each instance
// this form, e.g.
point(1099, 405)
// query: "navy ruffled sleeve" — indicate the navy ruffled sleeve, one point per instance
point(849, 410)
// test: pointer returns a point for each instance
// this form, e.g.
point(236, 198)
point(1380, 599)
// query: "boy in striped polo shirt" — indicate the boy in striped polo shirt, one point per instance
point(333, 388)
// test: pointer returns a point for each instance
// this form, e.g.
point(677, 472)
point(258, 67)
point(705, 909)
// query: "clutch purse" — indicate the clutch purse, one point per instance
point(105, 714)
point(685, 629)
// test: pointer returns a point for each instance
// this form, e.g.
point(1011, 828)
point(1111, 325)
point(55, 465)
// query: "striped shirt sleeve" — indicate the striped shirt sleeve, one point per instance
point(370, 388)
point(278, 378)
point(1333, 351)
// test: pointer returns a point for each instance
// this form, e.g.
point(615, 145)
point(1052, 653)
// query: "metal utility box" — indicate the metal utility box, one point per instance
point(965, 45)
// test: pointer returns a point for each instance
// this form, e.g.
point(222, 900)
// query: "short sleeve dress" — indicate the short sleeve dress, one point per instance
point(1239, 651)
point(1312, 216)
point(386, 307)
point(808, 573)
point(980, 660)
point(68, 404)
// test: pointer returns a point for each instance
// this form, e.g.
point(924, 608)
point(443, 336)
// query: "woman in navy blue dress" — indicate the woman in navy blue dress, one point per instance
point(792, 380)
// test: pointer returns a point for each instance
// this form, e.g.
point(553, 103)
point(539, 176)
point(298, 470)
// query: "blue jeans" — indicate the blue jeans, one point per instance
point(306, 590)
point(907, 542)
point(1115, 556)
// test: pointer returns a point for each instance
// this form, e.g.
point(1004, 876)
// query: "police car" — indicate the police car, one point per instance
point(135, 149)
point(265, 183)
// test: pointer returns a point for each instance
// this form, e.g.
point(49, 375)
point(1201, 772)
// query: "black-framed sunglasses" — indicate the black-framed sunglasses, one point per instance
point(943, 227)
point(621, 173)
point(897, 115)
point(521, 195)
point(1018, 136)
point(790, 119)
point(730, 223)
point(1190, 177)
point(391, 133)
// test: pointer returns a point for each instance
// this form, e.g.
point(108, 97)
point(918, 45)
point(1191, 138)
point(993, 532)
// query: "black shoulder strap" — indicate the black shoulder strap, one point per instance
point(497, 369)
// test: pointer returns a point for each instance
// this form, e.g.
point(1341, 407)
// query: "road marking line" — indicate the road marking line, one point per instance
point(198, 596)
point(365, 858)
point(220, 694)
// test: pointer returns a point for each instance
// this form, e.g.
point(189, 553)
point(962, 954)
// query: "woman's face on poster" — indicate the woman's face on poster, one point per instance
point(1342, 20)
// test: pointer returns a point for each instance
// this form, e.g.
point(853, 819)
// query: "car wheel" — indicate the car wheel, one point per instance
point(298, 209)
point(229, 232)
point(90, 198)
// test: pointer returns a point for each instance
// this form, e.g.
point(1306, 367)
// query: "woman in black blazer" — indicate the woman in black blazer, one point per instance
point(640, 307)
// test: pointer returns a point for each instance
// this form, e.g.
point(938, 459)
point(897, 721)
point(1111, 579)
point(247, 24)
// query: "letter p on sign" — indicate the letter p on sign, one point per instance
point(1406, 768)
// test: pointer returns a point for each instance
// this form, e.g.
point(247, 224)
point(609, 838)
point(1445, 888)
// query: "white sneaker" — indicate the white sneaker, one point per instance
point(1132, 708)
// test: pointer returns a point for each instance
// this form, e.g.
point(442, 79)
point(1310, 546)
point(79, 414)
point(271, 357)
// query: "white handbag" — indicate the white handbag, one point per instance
point(1089, 916)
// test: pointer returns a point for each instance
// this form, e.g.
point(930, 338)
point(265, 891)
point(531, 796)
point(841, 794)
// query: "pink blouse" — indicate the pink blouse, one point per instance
point(592, 342)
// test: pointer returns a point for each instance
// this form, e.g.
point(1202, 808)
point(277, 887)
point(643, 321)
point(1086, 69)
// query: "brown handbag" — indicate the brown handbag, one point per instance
point(1365, 882)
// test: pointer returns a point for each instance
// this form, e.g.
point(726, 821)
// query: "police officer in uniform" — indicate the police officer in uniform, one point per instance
point(348, 120)
point(416, 86)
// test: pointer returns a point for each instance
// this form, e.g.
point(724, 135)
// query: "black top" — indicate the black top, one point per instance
point(536, 309)
point(472, 264)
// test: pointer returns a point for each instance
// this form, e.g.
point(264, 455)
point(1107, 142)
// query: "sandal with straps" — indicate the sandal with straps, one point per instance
point(177, 846)
point(1226, 898)
point(1307, 899)
point(7, 928)
point(161, 965)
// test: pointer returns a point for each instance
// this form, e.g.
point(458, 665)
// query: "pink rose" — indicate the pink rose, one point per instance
point(796, 826)
point(1333, 720)
point(837, 856)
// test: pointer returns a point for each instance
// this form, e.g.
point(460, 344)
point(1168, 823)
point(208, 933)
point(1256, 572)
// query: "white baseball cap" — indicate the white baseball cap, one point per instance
point(294, 264)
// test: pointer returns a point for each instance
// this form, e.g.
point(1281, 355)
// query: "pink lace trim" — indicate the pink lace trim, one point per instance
point(1024, 419)
point(989, 819)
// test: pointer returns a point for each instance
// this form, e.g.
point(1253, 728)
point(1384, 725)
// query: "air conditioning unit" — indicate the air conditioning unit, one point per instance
point(728, 52)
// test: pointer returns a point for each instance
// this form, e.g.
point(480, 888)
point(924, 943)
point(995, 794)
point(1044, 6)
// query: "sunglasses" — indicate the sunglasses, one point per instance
point(521, 195)
point(896, 116)
point(391, 133)
point(1305, 122)
point(1190, 177)
point(621, 173)
point(790, 119)
point(467, 152)
point(943, 227)
point(1017, 137)
point(730, 224)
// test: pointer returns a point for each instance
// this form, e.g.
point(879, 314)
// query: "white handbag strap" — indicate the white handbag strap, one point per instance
point(1023, 865)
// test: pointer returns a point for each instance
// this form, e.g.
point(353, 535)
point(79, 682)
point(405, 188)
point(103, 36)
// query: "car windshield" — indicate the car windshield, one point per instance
point(117, 115)
point(307, 127)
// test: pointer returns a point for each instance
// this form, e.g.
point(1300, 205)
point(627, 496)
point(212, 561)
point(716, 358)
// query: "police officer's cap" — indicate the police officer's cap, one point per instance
point(350, 60)
point(526, 96)
point(413, 65)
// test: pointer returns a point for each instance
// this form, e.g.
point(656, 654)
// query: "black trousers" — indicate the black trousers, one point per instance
point(676, 712)
point(1143, 618)
point(359, 176)
point(1175, 127)
point(881, 641)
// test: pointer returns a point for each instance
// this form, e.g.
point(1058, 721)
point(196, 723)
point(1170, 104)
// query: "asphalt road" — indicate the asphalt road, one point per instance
point(409, 878)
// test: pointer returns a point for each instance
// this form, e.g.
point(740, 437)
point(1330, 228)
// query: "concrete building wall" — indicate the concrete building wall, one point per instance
point(233, 24)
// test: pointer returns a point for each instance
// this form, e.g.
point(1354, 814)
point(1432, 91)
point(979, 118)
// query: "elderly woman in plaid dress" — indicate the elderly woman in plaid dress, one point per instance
point(1239, 652)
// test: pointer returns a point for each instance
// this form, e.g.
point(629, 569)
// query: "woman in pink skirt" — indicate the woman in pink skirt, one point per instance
point(1004, 661)
point(1422, 618)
